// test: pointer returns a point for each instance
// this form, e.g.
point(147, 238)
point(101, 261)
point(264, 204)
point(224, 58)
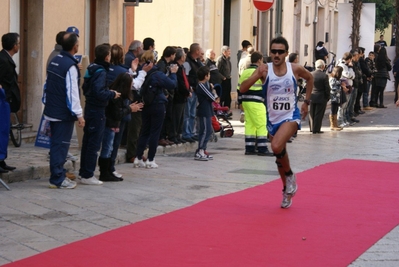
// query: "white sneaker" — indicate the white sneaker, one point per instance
point(151, 164)
point(291, 185)
point(138, 163)
point(66, 184)
point(117, 174)
point(200, 155)
point(90, 181)
point(71, 157)
point(287, 201)
point(209, 157)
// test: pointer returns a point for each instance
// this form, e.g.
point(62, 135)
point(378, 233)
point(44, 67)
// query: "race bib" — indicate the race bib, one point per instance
point(280, 102)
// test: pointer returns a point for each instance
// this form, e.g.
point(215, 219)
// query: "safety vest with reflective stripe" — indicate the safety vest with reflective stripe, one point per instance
point(255, 92)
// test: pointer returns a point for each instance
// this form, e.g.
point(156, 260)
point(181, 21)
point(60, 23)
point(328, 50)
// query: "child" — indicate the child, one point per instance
point(223, 111)
point(97, 96)
point(116, 110)
point(204, 113)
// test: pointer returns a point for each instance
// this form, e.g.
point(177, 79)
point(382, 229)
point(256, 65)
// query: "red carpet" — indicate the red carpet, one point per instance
point(340, 210)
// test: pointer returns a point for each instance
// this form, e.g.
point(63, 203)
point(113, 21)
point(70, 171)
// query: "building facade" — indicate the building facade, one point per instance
point(211, 23)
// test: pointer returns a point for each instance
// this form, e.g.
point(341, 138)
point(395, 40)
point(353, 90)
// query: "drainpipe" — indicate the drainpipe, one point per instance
point(279, 17)
point(316, 11)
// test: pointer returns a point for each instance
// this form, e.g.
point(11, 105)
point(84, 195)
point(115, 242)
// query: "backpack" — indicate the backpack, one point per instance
point(147, 91)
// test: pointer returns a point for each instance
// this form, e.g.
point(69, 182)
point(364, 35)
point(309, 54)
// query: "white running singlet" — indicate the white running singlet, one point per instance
point(280, 98)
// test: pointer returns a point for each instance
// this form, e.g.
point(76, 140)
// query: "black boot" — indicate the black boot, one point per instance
point(2, 170)
point(4, 166)
point(105, 174)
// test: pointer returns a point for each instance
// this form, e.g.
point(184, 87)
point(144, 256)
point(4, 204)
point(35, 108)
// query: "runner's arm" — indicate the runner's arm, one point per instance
point(259, 73)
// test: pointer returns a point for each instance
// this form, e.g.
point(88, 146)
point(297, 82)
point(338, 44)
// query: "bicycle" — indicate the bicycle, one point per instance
point(16, 129)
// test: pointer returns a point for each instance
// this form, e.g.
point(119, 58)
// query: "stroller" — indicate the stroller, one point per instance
point(220, 120)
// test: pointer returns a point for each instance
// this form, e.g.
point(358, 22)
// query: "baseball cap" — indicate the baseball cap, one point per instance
point(73, 29)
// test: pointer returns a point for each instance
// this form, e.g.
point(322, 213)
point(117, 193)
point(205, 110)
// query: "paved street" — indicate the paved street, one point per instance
point(34, 218)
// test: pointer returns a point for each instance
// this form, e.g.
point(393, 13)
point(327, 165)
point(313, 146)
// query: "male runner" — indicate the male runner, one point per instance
point(283, 118)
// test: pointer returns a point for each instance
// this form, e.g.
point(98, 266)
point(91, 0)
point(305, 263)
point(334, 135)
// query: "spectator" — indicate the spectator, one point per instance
point(381, 42)
point(191, 66)
point(153, 114)
point(293, 58)
point(319, 97)
point(9, 82)
point(97, 96)
point(204, 113)
point(116, 110)
point(116, 68)
point(57, 50)
point(321, 52)
point(149, 44)
point(245, 62)
point(62, 108)
point(182, 92)
point(135, 49)
point(337, 88)
point(243, 52)
point(134, 125)
point(371, 65)
point(366, 73)
point(168, 56)
point(216, 77)
point(224, 66)
point(383, 66)
point(348, 74)
point(357, 81)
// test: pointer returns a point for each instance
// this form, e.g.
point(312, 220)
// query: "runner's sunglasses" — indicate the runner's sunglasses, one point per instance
point(278, 51)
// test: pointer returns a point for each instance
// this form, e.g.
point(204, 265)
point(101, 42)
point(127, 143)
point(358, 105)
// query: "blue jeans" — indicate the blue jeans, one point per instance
point(350, 112)
point(117, 142)
point(152, 121)
point(92, 138)
point(61, 133)
point(366, 94)
point(205, 131)
point(189, 116)
point(107, 144)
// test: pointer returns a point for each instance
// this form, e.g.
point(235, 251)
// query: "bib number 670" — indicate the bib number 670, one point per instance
point(281, 106)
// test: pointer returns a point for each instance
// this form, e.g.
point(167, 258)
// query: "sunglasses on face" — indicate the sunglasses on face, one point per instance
point(278, 51)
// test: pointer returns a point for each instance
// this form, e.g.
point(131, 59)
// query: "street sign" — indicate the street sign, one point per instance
point(263, 5)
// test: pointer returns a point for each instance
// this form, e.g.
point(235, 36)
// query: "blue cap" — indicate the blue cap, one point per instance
point(73, 29)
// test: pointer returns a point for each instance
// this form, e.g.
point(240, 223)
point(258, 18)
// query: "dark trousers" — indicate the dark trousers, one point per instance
point(334, 108)
point(225, 99)
point(117, 142)
point(177, 118)
point(316, 114)
point(61, 134)
point(359, 95)
point(167, 127)
point(92, 138)
point(379, 95)
point(373, 96)
point(133, 133)
point(152, 117)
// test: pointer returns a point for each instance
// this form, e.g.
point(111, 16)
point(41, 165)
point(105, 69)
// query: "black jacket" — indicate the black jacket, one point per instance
point(9, 80)
point(321, 87)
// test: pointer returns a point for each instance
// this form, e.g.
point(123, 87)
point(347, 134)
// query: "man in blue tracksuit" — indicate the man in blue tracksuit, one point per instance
point(62, 108)
point(97, 96)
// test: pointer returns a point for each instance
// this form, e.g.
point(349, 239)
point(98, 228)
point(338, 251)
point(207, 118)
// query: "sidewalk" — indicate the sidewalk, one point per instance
point(34, 218)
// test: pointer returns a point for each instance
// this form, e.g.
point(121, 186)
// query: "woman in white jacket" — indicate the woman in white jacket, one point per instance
point(348, 75)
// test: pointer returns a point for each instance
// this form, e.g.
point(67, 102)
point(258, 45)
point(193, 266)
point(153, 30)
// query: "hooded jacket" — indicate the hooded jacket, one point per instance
point(95, 86)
